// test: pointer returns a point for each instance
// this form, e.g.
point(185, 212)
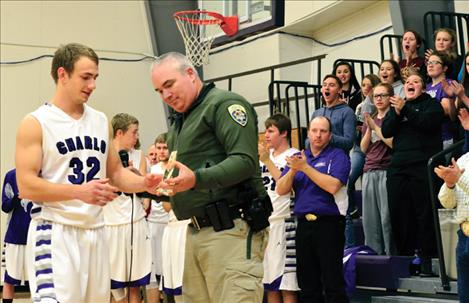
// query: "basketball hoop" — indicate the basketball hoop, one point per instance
point(198, 29)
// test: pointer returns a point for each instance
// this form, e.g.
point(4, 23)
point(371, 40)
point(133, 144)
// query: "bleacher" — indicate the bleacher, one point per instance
point(298, 99)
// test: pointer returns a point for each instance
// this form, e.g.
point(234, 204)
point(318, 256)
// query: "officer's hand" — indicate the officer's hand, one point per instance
point(184, 181)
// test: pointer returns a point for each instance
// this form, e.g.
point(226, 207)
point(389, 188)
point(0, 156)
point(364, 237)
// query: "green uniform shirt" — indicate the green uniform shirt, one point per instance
point(216, 138)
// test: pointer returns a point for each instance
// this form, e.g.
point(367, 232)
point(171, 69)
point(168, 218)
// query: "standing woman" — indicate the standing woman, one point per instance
point(351, 93)
point(415, 125)
point(389, 72)
point(412, 62)
point(437, 65)
point(445, 41)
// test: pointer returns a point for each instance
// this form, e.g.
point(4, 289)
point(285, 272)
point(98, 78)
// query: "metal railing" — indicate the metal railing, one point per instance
point(362, 64)
point(432, 163)
point(457, 21)
point(270, 69)
point(297, 92)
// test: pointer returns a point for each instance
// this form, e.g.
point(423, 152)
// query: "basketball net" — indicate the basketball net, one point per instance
point(198, 30)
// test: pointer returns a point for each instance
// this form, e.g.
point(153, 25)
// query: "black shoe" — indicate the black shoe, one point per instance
point(426, 268)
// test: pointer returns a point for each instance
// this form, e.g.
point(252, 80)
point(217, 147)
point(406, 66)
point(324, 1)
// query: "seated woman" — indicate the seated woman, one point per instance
point(445, 41)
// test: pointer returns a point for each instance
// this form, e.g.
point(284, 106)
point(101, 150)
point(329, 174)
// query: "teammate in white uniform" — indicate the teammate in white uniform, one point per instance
point(64, 160)
point(158, 218)
point(15, 237)
point(126, 228)
point(279, 260)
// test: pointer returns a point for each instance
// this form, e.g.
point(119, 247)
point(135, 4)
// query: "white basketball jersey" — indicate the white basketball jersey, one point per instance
point(74, 151)
point(119, 211)
point(157, 212)
point(281, 204)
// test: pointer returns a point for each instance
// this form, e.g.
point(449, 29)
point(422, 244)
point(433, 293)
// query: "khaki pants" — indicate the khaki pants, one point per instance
point(224, 266)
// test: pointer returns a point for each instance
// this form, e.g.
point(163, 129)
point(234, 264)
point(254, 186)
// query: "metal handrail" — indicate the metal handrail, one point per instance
point(447, 19)
point(432, 162)
point(271, 68)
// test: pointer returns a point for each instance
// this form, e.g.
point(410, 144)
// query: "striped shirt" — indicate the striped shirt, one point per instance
point(459, 195)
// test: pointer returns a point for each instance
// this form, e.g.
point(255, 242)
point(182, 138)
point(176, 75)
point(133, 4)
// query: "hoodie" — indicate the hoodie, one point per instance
point(343, 122)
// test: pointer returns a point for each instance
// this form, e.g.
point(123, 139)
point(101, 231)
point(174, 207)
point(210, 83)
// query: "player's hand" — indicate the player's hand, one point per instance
point(183, 182)
point(152, 182)
point(97, 192)
point(264, 153)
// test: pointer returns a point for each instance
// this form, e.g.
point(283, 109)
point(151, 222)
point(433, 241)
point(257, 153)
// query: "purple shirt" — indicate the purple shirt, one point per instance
point(310, 198)
point(436, 91)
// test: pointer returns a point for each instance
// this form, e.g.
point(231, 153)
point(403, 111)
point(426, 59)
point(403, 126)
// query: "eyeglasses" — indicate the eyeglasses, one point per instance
point(380, 96)
point(434, 62)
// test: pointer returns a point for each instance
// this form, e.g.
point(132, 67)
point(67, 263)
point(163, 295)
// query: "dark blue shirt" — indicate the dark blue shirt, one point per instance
point(310, 198)
point(18, 211)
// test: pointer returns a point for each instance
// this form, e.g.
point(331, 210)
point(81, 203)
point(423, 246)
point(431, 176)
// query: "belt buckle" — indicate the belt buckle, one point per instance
point(311, 217)
point(195, 223)
point(465, 228)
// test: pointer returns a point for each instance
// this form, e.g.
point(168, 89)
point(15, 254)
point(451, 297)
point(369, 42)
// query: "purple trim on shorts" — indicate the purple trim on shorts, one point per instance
point(274, 286)
point(43, 271)
point(45, 285)
point(10, 280)
point(140, 282)
point(44, 227)
point(43, 242)
point(44, 256)
point(173, 291)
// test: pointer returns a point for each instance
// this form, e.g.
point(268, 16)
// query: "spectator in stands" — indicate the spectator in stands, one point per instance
point(367, 106)
point(376, 220)
point(336, 110)
point(343, 122)
point(350, 86)
point(462, 90)
point(412, 62)
point(415, 124)
point(437, 65)
point(389, 72)
point(455, 193)
point(318, 175)
point(445, 41)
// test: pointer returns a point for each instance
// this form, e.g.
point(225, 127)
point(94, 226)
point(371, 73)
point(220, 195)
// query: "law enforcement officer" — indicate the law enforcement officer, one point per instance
point(215, 135)
point(318, 177)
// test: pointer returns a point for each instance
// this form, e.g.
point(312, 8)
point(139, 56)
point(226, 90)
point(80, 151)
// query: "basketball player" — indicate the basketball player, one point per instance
point(280, 257)
point(64, 161)
point(126, 228)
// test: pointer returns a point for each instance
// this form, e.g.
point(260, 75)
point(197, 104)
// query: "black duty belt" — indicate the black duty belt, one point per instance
point(199, 222)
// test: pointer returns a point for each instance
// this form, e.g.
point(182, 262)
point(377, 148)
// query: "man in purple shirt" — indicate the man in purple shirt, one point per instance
point(318, 176)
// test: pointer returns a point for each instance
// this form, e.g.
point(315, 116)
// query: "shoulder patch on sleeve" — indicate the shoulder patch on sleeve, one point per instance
point(239, 114)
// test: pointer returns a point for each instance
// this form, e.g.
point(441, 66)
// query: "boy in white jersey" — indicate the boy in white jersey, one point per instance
point(171, 238)
point(279, 260)
point(64, 161)
point(158, 218)
point(126, 228)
